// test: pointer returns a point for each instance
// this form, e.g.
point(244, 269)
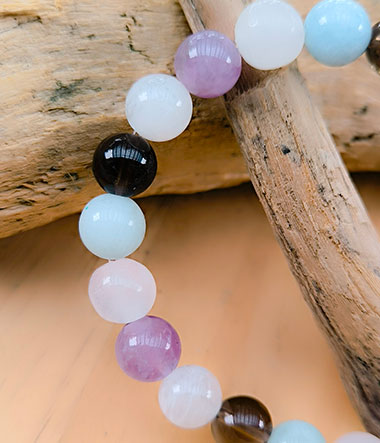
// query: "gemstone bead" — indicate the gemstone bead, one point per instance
point(124, 164)
point(208, 64)
point(158, 107)
point(373, 50)
point(190, 397)
point(269, 34)
point(122, 291)
point(337, 32)
point(296, 431)
point(240, 420)
point(148, 349)
point(358, 437)
point(111, 226)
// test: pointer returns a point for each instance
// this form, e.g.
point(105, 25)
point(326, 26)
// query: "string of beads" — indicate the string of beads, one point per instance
point(269, 34)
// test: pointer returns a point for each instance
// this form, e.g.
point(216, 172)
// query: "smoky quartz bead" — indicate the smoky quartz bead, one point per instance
point(124, 164)
point(240, 420)
point(373, 50)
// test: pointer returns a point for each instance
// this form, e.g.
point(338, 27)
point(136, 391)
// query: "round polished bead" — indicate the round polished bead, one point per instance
point(111, 226)
point(122, 291)
point(158, 107)
point(337, 32)
point(240, 420)
point(124, 164)
point(269, 34)
point(358, 437)
point(148, 349)
point(296, 431)
point(208, 64)
point(190, 397)
point(373, 50)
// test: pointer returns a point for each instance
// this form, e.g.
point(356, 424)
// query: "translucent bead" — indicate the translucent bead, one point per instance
point(269, 34)
point(148, 349)
point(111, 226)
point(208, 64)
point(158, 107)
point(122, 291)
point(124, 164)
point(240, 420)
point(373, 50)
point(190, 397)
point(296, 431)
point(358, 437)
point(337, 32)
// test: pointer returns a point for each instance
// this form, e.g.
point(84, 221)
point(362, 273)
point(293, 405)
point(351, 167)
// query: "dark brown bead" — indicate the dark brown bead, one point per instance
point(373, 50)
point(124, 164)
point(240, 420)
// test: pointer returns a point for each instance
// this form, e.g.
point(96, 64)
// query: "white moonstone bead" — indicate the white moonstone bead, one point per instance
point(112, 226)
point(269, 34)
point(358, 437)
point(158, 107)
point(190, 397)
point(122, 291)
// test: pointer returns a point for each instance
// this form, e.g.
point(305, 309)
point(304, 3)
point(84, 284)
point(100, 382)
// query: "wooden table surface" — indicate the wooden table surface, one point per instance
point(223, 284)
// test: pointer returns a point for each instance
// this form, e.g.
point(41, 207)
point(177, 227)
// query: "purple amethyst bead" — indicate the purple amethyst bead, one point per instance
point(148, 349)
point(208, 64)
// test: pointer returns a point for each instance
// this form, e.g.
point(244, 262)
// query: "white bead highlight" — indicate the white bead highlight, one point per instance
point(190, 397)
point(122, 291)
point(158, 107)
point(269, 34)
point(111, 226)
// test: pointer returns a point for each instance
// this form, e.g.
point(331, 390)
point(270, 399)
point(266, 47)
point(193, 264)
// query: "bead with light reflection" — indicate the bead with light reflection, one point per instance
point(124, 164)
point(296, 431)
point(358, 437)
point(337, 32)
point(240, 420)
point(122, 291)
point(158, 107)
point(148, 349)
point(111, 226)
point(207, 63)
point(269, 34)
point(190, 397)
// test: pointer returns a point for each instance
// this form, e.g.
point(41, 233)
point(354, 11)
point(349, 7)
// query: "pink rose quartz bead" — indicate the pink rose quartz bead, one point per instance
point(208, 64)
point(148, 349)
point(122, 291)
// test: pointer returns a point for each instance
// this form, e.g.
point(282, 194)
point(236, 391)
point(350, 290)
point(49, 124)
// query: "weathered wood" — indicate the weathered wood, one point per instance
point(314, 209)
point(65, 68)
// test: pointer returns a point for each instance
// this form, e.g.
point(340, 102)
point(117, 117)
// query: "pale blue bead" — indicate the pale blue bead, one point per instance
point(111, 226)
point(296, 431)
point(337, 32)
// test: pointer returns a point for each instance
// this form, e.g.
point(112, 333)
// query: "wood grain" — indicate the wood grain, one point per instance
point(224, 285)
point(315, 211)
point(66, 66)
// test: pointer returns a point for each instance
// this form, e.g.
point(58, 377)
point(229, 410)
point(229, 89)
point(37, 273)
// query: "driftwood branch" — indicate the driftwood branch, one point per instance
point(313, 207)
point(66, 66)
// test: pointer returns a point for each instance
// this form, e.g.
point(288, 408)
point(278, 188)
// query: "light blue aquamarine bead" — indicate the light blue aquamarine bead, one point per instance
point(296, 431)
point(111, 226)
point(337, 32)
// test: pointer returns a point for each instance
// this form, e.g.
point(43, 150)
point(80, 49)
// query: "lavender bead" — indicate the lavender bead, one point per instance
point(148, 349)
point(208, 64)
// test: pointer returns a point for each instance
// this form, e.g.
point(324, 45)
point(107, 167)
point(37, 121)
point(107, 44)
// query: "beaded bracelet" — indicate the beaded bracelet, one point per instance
point(269, 34)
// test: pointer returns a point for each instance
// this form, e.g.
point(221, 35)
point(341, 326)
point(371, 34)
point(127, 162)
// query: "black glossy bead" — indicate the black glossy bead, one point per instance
point(124, 164)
